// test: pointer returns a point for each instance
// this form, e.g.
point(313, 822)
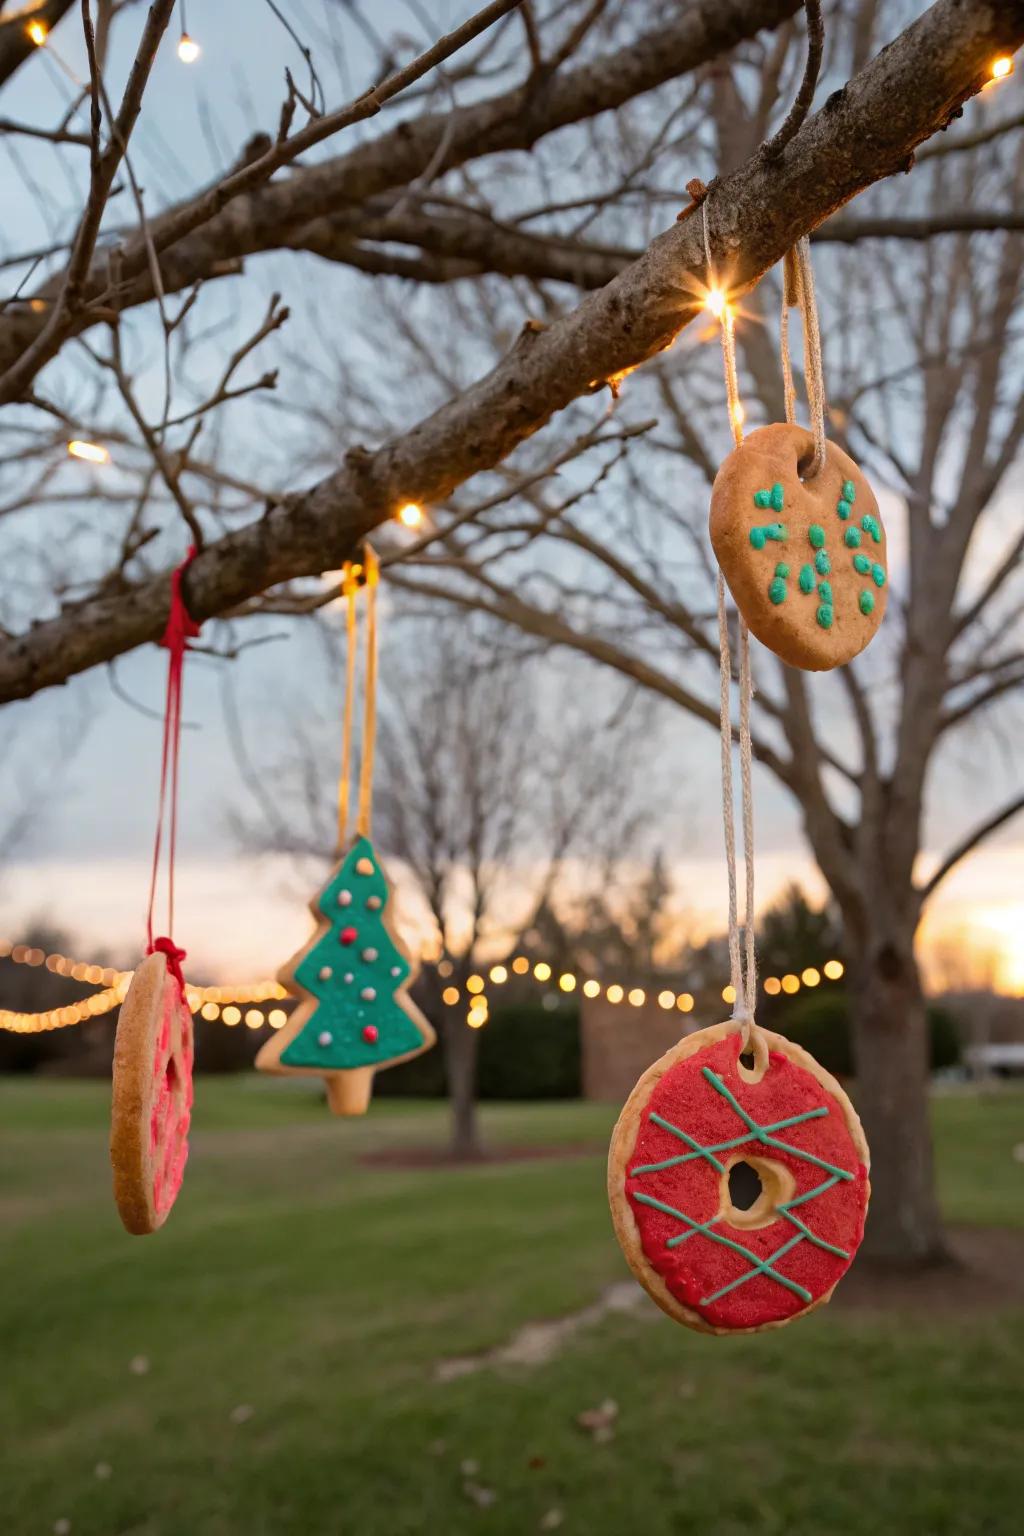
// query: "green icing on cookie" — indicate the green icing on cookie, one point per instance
point(760, 534)
point(354, 970)
point(806, 578)
point(849, 491)
point(782, 569)
point(772, 498)
point(852, 538)
point(825, 592)
point(777, 590)
point(878, 575)
point(861, 563)
point(824, 616)
point(816, 534)
point(867, 602)
point(822, 563)
point(870, 525)
point(844, 509)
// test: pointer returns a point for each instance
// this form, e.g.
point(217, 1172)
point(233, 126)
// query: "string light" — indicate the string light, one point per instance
point(1001, 67)
point(729, 994)
point(38, 32)
point(188, 49)
point(411, 515)
point(93, 453)
point(213, 1003)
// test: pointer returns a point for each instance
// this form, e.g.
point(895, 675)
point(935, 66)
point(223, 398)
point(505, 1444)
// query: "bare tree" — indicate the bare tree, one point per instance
point(533, 151)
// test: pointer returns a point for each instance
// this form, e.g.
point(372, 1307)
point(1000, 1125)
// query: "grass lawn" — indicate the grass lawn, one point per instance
point(316, 1295)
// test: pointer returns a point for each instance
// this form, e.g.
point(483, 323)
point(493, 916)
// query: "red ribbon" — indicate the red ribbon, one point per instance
point(181, 627)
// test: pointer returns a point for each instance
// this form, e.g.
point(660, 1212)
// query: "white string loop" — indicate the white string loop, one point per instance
point(742, 960)
point(798, 290)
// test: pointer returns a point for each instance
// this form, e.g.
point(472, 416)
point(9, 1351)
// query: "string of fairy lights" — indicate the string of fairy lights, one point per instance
point(234, 1005)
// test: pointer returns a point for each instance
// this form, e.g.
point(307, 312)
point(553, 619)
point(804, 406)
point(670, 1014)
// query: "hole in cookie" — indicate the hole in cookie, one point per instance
point(752, 1063)
point(745, 1185)
point(748, 1060)
point(171, 1075)
point(752, 1189)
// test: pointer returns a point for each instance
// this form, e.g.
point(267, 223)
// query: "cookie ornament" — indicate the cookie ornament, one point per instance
point(154, 1047)
point(803, 554)
point(738, 1193)
point(794, 524)
point(355, 1015)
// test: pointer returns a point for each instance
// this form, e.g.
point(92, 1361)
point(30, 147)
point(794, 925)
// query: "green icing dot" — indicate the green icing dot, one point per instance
point(852, 538)
point(844, 509)
point(878, 575)
point(782, 569)
point(849, 491)
point(861, 563)
point(816, 534)
point(869, 525)
point(757, 537)
point(822, 563)
point(762, 498)
point(777, 590)
point(806, 578)
point(824, 616)
point(867, 602)
point(825, 592)
point(776, 496)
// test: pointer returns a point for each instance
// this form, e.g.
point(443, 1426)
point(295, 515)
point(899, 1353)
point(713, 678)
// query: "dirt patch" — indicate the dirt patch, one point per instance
point(440, 1157)
point(536, 1343)
point(985, 1271)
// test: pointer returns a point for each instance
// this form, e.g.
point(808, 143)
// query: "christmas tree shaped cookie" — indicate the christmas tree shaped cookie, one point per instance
point(355, 1014)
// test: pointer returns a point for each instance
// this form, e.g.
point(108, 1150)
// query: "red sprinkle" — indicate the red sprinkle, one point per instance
point(370, 1034)
point(348, 936)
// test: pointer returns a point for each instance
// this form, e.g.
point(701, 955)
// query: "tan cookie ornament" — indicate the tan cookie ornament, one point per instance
point(804, 559)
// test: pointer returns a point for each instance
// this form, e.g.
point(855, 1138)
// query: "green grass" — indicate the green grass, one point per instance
point(320, 1293)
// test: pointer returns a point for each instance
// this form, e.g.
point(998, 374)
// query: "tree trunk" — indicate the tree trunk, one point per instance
point(891, 1056)
point(461, 1044)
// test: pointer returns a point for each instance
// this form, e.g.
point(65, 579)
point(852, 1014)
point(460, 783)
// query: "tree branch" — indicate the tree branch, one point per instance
point(970, 842)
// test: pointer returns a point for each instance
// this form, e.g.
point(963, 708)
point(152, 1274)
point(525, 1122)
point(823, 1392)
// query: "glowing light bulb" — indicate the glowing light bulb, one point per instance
point(684, 1002)
point(542, 971)
point(411, 515)
point(591, 988)
point(833, 969)
point(567, 982)
point(188, 49)
point(475, 984)
point(38, 31)
point(811, 976)
point(93, 453)
point(450, 996)
point(773, 986)
point(1001, 67)
point(729, 994)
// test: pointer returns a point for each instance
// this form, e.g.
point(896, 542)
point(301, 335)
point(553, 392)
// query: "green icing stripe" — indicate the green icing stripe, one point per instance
point(761, 1266)
point(708, 1153)
point(760, 534)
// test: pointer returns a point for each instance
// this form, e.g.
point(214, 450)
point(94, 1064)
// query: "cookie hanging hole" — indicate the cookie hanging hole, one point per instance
point(805, 466)
point(745, 1187)
point(751, 1191)
point(748, 1059)
point(752, 1062)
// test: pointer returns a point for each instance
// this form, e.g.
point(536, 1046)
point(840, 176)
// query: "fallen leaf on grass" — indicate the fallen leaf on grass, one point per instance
point(600, 1422)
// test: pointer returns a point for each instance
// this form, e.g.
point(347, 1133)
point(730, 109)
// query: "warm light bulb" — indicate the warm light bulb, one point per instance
point(567, 982)
point(773, 986)
point(684, 1002)
point(94, 453)
point(450, 996)
point(411, 515)
point(729, 994)
point(833, 969)
point(38, 31)
point(1002, 67)
point(811, 976)
point(542, 970)
point(636, 997)
point(188, 49)
point(475, 984)
point(667, 999)
point(591, 988)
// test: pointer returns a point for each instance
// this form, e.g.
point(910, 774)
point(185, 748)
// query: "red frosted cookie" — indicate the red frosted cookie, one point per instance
point(727, 1248)
point(152, 1101)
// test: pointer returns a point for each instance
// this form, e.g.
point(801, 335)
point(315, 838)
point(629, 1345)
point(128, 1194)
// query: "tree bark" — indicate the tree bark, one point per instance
point(891, 1058)
point(460, 1052)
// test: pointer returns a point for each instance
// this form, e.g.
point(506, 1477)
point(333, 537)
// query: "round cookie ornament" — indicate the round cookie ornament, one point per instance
point(152, 1095)
point(804, 558)
point(738, 1193)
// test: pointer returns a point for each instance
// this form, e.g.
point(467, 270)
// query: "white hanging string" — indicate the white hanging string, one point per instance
point(742, 963)
point(798, 291)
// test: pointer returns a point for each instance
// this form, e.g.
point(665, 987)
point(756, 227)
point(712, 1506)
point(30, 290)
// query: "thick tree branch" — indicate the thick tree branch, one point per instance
point(863, 133)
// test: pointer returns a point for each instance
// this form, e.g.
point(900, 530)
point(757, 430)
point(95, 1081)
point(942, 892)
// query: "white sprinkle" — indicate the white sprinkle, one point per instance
point(326, 973)
point(348, 976)
point(368, 994)
point(396, 970)
point(324, 1037)
point(373, 902)
point(369, 955)
point(344, 898)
